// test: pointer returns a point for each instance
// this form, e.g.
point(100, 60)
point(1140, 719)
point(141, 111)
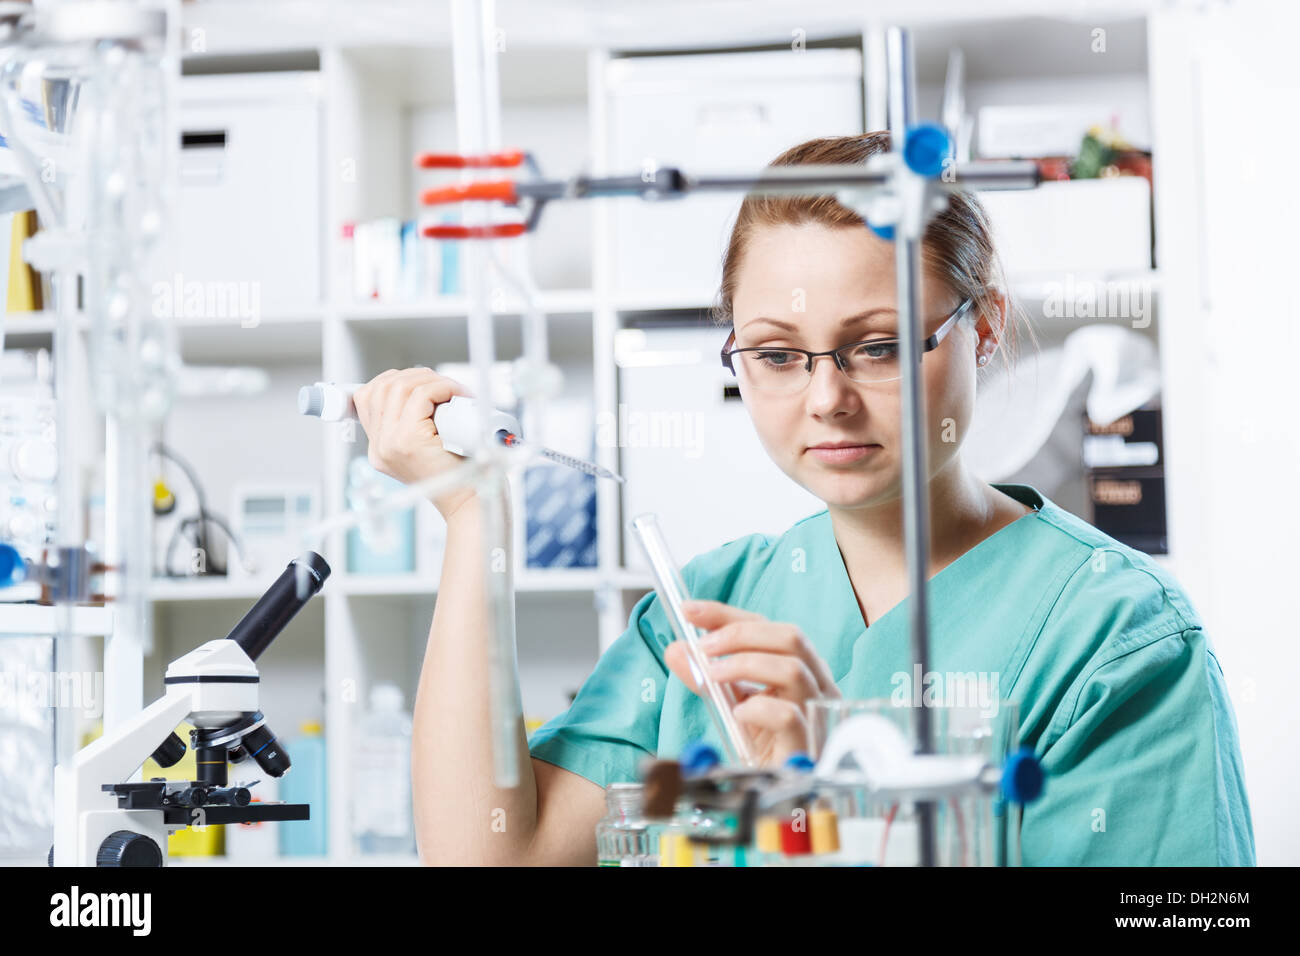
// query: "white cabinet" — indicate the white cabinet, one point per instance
point(248, 205)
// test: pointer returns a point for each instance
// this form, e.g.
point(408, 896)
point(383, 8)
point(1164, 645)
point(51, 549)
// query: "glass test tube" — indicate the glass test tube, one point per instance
point(672, 592)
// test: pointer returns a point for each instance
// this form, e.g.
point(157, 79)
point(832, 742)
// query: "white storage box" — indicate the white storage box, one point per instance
point(247, 224)
point(1057, 129)
point(712, 113)
point(689, 452)
point(1086, 227)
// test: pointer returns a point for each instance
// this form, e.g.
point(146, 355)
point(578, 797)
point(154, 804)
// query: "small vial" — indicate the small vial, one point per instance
point(622, 837)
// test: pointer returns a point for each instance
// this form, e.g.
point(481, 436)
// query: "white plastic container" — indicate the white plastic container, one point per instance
point(257, 843)
point(1094, 228)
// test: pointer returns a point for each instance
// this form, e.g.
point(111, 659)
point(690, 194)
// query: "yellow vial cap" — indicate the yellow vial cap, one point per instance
point(825, 831)
point(676, 849)
point(768, 835)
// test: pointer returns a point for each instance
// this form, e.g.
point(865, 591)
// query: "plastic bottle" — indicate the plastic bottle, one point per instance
point(450, 265)
point(258, 843)
point(387, 544)
point(305, 783)
point(381, 776)
point(347, 267)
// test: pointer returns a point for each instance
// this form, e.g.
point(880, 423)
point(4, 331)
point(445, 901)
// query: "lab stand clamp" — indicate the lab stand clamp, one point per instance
point(102, 819)
point(867, 757)
point(65, 575)
point(876, 190)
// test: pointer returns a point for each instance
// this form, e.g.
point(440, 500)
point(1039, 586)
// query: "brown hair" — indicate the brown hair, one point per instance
point(957, 245)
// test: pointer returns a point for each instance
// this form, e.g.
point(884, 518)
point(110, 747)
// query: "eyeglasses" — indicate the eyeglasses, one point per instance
point(868, 362)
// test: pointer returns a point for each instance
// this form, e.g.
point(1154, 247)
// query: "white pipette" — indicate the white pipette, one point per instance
point(457, 422)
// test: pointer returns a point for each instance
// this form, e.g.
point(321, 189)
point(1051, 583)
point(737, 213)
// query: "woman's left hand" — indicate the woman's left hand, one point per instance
point(758, 652)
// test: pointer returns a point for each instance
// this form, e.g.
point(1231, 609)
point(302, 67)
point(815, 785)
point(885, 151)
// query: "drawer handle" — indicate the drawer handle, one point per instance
point(203, 139)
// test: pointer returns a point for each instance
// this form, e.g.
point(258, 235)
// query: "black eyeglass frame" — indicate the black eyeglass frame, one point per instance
point(927, 345)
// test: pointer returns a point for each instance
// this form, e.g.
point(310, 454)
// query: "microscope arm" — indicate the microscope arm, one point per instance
point(111, 758)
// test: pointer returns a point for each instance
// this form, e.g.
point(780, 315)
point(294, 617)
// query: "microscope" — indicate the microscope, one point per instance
point(100, 820)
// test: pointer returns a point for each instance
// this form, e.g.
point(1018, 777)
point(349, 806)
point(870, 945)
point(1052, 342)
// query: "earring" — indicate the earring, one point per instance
point(983, 360)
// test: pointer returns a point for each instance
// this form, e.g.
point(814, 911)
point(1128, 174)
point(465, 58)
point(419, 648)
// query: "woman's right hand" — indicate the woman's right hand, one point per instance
point(396, 410)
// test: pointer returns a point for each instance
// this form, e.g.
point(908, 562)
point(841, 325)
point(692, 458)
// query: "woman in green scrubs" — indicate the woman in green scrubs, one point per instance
point(1117, 686)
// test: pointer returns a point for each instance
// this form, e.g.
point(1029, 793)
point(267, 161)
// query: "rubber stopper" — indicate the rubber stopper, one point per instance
point(800, 762)
point(12, 569)
point(1022, 777)
point(698, 757)
point(926, 148)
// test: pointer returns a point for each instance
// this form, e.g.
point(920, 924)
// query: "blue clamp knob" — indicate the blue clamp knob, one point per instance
point(12, 569)
point(799, 761)
point(925, 149)
point(698, 757)
point(1023, 777)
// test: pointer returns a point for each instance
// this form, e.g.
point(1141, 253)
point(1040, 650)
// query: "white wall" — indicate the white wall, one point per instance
point(1230, 343)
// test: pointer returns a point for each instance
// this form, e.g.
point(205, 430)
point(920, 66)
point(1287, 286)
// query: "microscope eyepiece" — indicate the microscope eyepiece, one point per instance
point(276, 608)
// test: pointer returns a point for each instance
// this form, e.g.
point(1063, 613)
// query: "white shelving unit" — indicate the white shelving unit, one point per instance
point(384, 98)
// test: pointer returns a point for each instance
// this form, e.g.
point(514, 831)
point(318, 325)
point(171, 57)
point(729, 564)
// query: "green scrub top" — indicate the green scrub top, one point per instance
point(1118, 688)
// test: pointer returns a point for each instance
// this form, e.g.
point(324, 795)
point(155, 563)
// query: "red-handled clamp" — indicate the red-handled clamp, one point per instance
point(495, 190)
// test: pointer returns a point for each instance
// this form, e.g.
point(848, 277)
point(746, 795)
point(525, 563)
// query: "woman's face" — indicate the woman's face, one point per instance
point(813, 277)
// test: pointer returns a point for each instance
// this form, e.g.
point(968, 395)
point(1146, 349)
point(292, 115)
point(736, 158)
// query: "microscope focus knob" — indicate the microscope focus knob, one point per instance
point(127, 848)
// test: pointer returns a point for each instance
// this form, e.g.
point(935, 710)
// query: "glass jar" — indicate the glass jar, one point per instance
point(973, 829)
point(622, 837)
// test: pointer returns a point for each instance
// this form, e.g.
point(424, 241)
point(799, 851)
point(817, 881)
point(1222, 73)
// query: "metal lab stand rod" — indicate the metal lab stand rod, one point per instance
point(670, 183)
point(916, 514)
point(667, 183)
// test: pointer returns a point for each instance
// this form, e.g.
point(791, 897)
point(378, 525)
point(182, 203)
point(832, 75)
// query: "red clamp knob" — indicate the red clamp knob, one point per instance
point(499, 189)
point(502, 230)
point(508, 157)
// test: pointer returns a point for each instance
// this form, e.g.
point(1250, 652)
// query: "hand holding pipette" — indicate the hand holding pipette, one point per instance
point(397, 409)
point(455, 418)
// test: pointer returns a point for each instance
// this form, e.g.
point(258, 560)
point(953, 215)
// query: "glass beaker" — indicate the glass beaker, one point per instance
point(978, 829)
point(975, 829)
